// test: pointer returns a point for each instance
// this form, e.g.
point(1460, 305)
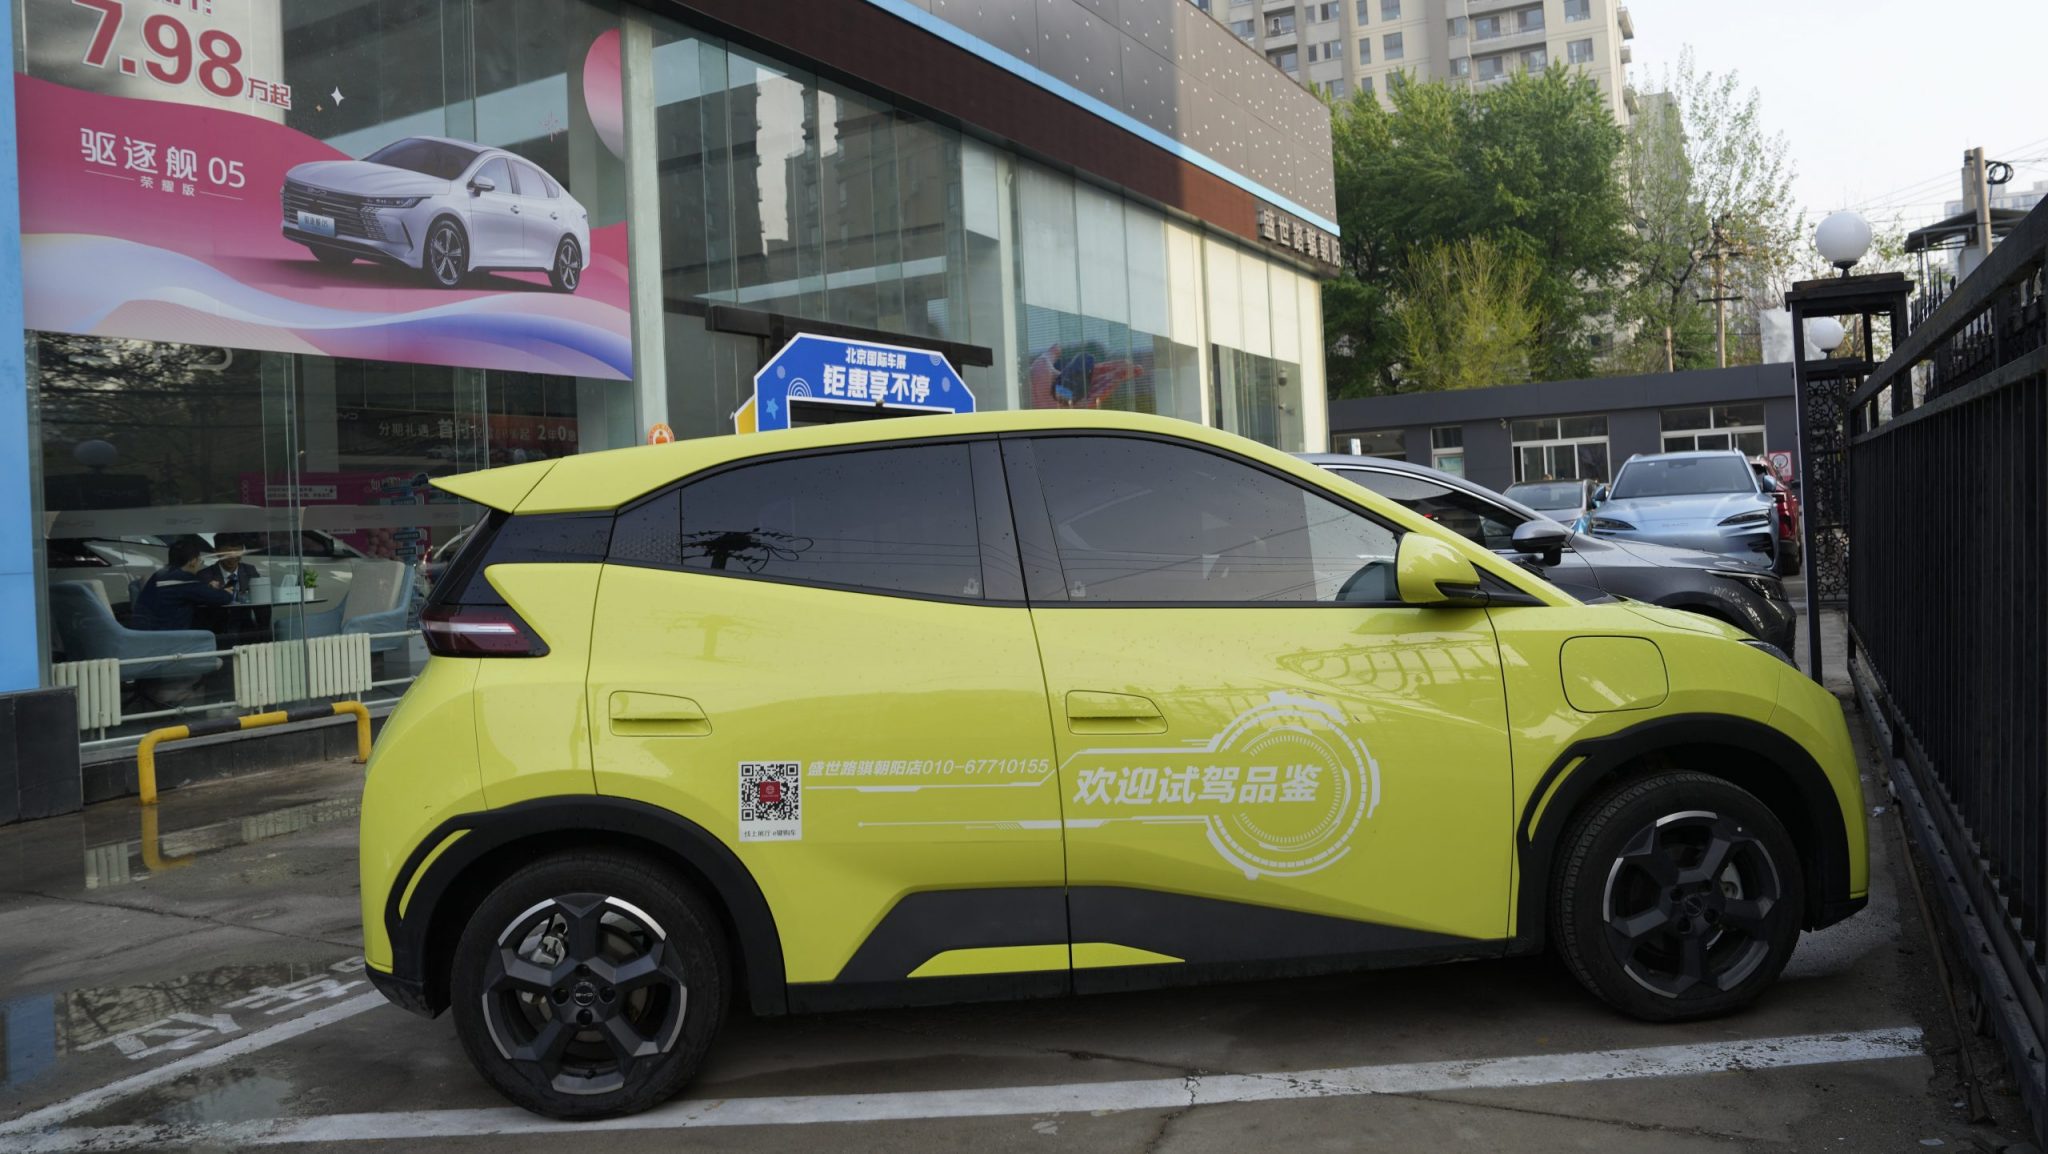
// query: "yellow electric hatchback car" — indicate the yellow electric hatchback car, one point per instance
point(1035, 703)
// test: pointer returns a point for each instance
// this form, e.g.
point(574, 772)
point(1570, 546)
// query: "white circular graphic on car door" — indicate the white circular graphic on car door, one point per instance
point(1280, 790)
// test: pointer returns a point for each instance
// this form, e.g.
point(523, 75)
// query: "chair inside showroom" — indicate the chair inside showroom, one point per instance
point(380, 602)
point(85, 624)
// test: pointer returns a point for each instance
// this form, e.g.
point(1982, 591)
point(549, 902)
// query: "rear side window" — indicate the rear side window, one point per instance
point(1469, 517)
point(896, 520)
point(504, 539)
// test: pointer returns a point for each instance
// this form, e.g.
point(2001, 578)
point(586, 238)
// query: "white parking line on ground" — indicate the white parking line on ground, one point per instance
point(61, 1112)
point(1077, 1097)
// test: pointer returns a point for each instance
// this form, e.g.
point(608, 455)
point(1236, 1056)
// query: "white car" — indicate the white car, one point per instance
point(448, 208)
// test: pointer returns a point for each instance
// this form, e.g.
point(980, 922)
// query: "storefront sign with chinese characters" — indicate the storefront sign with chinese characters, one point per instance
point(1281, 230)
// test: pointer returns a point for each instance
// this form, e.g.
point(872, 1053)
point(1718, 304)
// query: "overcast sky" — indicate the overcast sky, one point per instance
point(1878, 98)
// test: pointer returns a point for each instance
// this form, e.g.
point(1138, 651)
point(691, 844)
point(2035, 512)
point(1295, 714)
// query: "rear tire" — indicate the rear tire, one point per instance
point(1677, 896)
point(588, 985)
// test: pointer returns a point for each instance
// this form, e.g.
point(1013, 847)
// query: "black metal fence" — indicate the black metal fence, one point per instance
point(1948, 608)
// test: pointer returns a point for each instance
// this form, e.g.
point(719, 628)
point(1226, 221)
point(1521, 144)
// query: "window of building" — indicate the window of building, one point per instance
point(1390, 9)
point(1535, 60)
point(1365, 85)
point(1462, 66)
point(1447, 448)
point(1286, 59)
point(1578, 9)
point(1365, 51)
point(1738, 427)
point(1396, 81)
point(1555, 448)
point(895, 520)
point(1579, 51)
point(1331, 49)
point(1492, 67)
point(1373, 443)
point(1327, 12)
point(1243, 29)
point(1488, 27)
point(1363, 6)
point(1202, 4)
point(1280, 23)
point(1147, 521)
point(1529, 20)
point(1455, 26)
point(1390, 46)
point(1337, 89)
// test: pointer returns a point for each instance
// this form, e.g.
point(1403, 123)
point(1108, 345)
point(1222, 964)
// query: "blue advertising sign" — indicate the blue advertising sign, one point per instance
point(852, 375)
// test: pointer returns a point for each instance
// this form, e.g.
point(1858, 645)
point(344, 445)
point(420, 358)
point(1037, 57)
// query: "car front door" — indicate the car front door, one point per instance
point(814, 660)
point(1266, 761)
point(496, 231)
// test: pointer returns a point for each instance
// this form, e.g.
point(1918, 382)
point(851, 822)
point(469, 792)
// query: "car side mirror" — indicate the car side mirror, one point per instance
point(1543, 538)
point(1599, 494)
point(482, 184)
point(1432, 572)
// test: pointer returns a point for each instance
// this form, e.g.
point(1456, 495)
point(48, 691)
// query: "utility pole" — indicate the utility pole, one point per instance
point(1977, 175)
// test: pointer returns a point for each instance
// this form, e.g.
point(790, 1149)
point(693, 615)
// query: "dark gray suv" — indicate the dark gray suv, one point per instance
point(1751, 598)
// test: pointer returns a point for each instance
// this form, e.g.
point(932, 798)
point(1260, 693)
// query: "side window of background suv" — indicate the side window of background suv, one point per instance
point(894, 520)
point(1146, 521)
point(1462, 513)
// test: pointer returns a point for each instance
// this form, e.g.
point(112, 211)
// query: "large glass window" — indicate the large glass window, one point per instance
point(1392, 443)
point(1447, 448)
point(1146, 521)
point(1738, 427)
point(895, 520)
point(1555, 448)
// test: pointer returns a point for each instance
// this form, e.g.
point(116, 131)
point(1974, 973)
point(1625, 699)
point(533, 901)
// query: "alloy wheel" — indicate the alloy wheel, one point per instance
point(447, 255)
point(582, 991)
point(1689, 902)
point(568, 269)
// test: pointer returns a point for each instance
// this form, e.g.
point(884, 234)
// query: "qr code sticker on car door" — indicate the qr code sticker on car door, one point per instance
point(771, 801)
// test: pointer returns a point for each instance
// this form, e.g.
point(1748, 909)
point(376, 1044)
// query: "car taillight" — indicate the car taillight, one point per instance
point(479, 631)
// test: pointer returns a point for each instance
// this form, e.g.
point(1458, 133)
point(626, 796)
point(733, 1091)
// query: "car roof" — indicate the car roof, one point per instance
point(1688, 454)
point(588, 482)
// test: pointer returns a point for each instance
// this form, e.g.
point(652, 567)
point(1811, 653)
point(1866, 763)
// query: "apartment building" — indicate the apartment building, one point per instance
point(1346, 46)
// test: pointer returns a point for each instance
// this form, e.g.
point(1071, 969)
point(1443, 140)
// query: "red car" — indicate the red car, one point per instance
point(1786, 558)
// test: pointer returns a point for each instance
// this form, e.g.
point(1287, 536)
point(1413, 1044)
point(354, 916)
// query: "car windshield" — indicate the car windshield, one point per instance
point(1682, 476)
point(1548, 494)
point(439, 159)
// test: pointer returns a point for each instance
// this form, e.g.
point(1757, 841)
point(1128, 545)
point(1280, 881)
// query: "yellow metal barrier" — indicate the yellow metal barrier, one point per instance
point(145, 754)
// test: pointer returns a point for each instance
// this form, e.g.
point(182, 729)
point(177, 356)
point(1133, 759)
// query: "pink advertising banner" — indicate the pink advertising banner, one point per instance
point(162, 219)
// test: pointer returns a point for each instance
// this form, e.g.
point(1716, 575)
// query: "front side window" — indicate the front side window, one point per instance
point(896, 520)
point(1473, 518)
point(1147, 521)
point(498, 173)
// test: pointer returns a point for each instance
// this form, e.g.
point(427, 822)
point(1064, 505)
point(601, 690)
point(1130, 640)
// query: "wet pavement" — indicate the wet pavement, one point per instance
point(194, 983)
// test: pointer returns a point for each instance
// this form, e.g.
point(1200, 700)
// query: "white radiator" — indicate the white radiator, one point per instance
point(282, 671)
point(99, 690)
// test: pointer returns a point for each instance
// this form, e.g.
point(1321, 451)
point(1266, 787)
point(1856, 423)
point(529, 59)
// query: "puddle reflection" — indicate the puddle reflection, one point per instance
point(120, 862)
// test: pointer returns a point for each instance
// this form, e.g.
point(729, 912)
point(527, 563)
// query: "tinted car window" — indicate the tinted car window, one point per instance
point(1460, 512)
point(896, 520)
point(1682, 476)
point(498, 173)
point(1146, 521)
point(532, 182)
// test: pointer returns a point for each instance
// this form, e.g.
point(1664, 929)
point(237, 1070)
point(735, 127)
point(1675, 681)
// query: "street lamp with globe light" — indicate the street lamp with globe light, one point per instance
point(1825, 334)
point(1842, 239)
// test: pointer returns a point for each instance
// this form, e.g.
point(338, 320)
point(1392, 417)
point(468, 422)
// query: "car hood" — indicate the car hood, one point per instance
point(362, 178)
point(1710, 508)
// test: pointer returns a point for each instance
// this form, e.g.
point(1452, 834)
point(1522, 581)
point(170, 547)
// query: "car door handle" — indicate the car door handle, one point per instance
point(1092, 711)
point(636, 714)
point(515, 210)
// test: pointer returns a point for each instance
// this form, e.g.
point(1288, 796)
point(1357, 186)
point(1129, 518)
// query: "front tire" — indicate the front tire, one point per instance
point(589, 984)
point(567, 271)
point(445, 257)
point(1678, 896)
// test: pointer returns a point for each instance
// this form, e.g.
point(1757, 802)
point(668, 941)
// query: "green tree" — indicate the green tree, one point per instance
point(1465, 317)
point(1703, 177)
point(1531, 164)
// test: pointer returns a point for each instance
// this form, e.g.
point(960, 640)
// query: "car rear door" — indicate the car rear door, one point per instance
point(813, 658)
point(1267, 762)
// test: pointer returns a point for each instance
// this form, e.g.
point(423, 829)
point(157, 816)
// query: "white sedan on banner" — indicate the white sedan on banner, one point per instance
point(448, 208)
